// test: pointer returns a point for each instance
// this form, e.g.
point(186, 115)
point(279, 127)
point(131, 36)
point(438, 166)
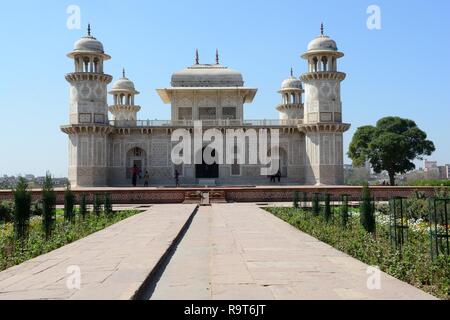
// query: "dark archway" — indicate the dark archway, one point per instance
point(207, 171)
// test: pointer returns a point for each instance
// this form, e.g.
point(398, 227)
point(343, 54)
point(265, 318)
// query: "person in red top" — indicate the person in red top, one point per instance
point(135, 172)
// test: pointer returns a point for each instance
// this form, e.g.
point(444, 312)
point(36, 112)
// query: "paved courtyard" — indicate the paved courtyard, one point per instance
point(229, 251)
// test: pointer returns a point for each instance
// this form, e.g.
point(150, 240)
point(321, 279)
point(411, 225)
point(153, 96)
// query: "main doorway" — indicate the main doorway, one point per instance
point(207, 171)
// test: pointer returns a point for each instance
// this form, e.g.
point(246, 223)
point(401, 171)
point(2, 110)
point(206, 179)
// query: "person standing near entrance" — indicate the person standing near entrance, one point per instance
point(135, 172)
point(177, 178)
point(278, 176)
point(146, 178)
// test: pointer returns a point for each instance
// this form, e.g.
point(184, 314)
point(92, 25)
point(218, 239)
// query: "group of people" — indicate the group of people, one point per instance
point(136, 173)
point(275, 177)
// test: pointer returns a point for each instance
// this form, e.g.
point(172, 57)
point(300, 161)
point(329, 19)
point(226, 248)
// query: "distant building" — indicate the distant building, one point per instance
point(444, 171)
point(429, 165)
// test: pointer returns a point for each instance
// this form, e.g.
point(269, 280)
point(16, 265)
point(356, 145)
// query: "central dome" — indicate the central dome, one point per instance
point(207, 75)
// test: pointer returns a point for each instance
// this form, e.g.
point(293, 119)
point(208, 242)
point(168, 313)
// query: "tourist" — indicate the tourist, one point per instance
point(177, 178)
point(278, 176)
point(146, 178)
point(135, 172)
point(272, 178)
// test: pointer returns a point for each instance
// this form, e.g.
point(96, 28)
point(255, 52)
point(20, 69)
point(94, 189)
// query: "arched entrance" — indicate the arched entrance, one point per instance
point(136, 156)
point(207, 171)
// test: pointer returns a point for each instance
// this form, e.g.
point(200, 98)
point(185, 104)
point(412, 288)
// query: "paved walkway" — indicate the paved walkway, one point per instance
point(113, 262)
point(230, 251)
point(239, 251)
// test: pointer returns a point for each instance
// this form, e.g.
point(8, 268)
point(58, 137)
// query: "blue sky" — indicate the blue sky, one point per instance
point(399, 70)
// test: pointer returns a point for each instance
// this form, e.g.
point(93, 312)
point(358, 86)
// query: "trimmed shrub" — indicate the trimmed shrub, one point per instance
point(69, 203)
point(97, 204)
point(344, 211)
point(6, 211)
point(367, 216)
point(107, 205)
point(22, 206)
point(417, 206)
point(36, 208)
point(316, 204)
point(296, 199)
point(48, 206)
point(83, 206)
point(327, 208)
point(305, 199)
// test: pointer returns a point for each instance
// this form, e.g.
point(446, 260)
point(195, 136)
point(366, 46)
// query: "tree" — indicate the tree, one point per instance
point(107, 204)
point(367, 212)
point(97, 204)
point(69, 203)
point(83, 206)
point(296, 199)
point(22, 208)
point(392, 145)
point(48, 205)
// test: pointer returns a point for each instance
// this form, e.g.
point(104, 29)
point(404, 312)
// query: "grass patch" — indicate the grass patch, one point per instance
point(412, 265)
point(13, 252)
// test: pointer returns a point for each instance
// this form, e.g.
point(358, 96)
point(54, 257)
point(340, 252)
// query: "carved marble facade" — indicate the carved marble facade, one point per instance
point(106, 141)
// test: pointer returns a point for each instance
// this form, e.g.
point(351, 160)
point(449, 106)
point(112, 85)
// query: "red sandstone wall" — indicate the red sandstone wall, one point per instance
point(232, 194)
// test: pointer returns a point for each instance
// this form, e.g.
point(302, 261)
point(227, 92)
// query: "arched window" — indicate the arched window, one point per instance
point(315, 63)
point(86, 64)
point(324, 63)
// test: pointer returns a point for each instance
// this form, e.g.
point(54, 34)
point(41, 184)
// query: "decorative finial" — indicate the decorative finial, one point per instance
point(89, 29)
point(123, 72)
point(217, 56)
point(321, 28)
point(196, 57)
point(292, 72)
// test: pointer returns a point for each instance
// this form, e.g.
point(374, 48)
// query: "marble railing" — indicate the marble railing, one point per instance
point(205, 123)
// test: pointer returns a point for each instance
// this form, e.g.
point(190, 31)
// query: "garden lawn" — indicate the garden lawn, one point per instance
point(13, 252)
point(413, 264)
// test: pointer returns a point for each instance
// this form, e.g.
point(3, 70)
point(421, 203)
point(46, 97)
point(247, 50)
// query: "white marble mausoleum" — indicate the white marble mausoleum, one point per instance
point(106, 140)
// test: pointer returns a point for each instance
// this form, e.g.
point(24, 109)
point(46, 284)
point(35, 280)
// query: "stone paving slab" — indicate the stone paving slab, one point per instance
point(113, 262)
point(247, 253)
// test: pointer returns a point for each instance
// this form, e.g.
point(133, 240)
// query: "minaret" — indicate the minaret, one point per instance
point(291, 106)
point(88, 114)
point(323, 125)
point(124, 110)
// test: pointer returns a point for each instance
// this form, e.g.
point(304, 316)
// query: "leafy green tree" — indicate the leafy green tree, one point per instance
point(48, 205)
point(367, 210)
point(22, 208)
point(69, 203)
point(392, 145)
